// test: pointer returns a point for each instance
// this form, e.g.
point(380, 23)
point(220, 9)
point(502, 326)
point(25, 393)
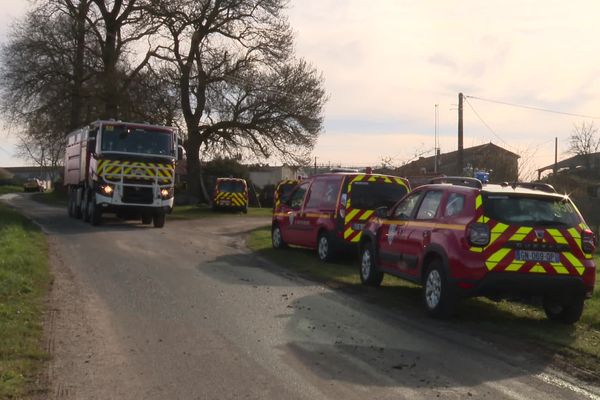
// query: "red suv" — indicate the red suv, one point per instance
point(329, 211)
point(458, 238)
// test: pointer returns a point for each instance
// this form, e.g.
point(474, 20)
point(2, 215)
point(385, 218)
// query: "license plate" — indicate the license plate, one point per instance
point(538, 256)
point(225, 202)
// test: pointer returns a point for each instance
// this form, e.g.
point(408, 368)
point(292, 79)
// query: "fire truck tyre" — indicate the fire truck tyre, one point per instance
point(437, 295)
point(567, 312)
point(85, 206)
point(159, 219)
point(95, 212)
point(369, 274)
point(277, 239)
point(245, 210)
point(325, 247)
point(146, 218)
point(70, 205)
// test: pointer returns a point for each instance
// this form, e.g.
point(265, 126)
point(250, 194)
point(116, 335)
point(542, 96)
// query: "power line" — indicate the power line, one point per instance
point(485, 123)
point(533, 108)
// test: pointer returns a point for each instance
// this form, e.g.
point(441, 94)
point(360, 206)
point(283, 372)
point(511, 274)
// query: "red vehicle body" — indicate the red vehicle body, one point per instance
point(496, 241)
point(328, 211)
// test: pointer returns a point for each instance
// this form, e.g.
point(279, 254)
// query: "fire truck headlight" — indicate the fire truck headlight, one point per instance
point(166, 193)
point(108, 190)
point(105, 189)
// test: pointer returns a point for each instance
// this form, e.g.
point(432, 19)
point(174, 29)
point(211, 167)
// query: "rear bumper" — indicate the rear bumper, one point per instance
point(509, 285)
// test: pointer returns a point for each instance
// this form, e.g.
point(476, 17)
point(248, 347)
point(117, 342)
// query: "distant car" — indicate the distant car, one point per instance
point(33, 185)
point(463, 239)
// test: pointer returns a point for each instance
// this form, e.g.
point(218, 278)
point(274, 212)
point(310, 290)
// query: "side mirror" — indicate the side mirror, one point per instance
point(180, 153)
point(382, 212)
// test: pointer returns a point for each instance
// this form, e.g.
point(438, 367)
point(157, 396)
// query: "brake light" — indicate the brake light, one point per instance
point(588, 241)
point(479, 234)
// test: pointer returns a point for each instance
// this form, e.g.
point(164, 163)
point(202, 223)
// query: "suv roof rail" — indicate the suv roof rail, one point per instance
point(459, 181)
point(544, 187)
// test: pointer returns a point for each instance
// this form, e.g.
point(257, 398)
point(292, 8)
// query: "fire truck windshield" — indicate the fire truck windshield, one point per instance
point(127, 139)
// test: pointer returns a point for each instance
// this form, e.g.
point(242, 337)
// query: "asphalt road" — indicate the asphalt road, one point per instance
point(187, 312)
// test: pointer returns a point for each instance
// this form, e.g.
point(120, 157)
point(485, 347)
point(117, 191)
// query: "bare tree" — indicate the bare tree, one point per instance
point(584, 139)
point(240, 86)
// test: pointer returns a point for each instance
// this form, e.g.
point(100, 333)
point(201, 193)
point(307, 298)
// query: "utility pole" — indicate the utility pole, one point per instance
point(435, 145)
point(555, 155)
point(459, 158)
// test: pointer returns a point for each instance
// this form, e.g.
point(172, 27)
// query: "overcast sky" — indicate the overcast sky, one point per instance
point(388, 62)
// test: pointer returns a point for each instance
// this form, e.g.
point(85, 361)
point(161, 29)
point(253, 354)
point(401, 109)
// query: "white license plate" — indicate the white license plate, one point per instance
point(539, 256)
point(225, 202)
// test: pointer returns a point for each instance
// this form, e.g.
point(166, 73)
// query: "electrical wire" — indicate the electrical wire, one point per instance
point(486, 124)
point(533, 108)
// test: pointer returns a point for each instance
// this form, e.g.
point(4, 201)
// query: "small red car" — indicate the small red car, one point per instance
point(327, 212)
point(462, 238)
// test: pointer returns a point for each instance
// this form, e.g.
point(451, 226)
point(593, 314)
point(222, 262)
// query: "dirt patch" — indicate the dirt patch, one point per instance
point(86, 359)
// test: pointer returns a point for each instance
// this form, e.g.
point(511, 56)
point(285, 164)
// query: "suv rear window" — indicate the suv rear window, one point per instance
point(231, 187)
point(370, 195)
point(530, 210)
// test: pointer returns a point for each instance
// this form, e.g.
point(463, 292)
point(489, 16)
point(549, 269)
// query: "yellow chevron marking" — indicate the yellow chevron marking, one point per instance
point(476, 249)
point(350, 216)
point(478, 201)
point(573, 260)
point(521, 233)
point(497, 231)
point(514, 266)
point(496, 258)
point(557, 236)
point(538, 269)
point(348, 232)
point(560, 269)
point(366, 215)
point(356, 238)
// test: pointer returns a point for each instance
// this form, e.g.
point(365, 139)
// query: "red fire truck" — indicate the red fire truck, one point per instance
point(123, 168)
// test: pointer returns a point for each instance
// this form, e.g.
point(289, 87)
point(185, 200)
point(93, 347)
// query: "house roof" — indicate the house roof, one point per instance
point(571, 162)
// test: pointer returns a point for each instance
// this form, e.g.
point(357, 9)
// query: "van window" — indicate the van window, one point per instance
point(298, 196)
point(323, 194)
point(371, 195)
point(430, 204)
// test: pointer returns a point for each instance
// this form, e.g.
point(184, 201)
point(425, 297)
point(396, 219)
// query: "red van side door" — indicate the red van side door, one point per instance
point(293, 230)
point(320, 206)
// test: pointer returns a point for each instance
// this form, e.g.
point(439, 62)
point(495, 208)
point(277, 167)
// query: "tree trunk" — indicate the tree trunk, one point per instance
point(109, 56)
point(192, 148)
point(78, 65)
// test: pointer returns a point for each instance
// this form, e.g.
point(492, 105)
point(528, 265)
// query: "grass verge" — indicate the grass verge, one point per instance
point(24, 279)
point(52, 197)
point(577, 345)
point(4, 189)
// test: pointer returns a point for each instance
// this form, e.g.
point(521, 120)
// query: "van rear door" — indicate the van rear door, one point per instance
point(364, 194)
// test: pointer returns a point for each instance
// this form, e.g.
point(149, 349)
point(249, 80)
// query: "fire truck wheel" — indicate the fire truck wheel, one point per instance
point(245, 210)
point(71, 205)
point(95, 212)
point(437, 295)
point(146, 218)
point(85, 206)
point(159, 219)
point(325, 247)
point(565, 312)
point(277, 239)
point(369, 274)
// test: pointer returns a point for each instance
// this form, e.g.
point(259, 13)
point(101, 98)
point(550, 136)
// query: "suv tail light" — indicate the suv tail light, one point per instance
point(479, 234)
point(588, 241)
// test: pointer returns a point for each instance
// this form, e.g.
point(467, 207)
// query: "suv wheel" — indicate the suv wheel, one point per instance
point(567, 313)
point(277, 239)
point(369, 274)
point(437, 295)
point(325, 247)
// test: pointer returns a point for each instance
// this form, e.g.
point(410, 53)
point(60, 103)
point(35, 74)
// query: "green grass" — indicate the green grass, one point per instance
point(579, 343)
point(4, 189)
point(24, 280)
